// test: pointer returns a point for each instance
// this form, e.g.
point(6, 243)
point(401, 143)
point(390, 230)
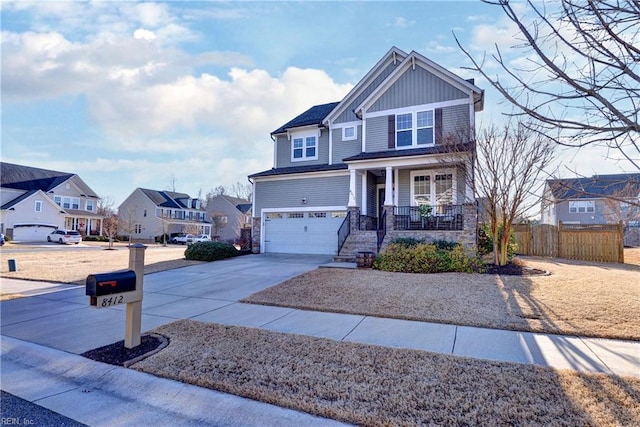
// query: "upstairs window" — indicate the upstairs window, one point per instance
point(414, 129)
point(404, 130)
point(582, 206)
point(349, 133)
point(75, 203)
point(304, 148)
point(38, 206)
point(89, 205)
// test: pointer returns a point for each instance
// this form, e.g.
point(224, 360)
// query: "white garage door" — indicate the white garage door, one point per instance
point(32, 232)
point(303, 232)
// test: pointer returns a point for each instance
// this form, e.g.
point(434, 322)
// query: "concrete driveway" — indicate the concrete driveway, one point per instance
point(64, 320)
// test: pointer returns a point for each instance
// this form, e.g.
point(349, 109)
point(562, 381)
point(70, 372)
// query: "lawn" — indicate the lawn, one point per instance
point(576, 298)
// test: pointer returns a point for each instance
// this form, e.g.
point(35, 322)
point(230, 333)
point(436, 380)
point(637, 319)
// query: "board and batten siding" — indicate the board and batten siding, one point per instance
point(343, 149)
point(283, 147)
point(417, 87)
point(321, 191)
point(348, 115)
point(455, 120)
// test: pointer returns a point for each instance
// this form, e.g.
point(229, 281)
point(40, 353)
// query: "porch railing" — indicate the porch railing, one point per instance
point(441, 217)
point(344, 231)
point(368, 223)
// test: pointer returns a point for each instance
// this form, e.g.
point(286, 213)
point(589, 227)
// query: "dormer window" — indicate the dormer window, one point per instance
point(304, 147)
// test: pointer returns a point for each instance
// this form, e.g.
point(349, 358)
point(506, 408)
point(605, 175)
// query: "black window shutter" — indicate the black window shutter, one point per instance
point(437, 123)
point(392, 131)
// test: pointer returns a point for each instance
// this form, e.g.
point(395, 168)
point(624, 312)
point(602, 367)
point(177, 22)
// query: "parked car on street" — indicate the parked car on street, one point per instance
point(201, 238)
point(183, 239)
point(64, 236)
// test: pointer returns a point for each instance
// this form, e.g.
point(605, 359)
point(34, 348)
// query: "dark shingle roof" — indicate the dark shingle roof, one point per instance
point(437, 149)
point(161, 198)
point(299, 169)
point(621, 185)
point(29, 178)
point(244, 207)
point(313, 116)
point(18, 199)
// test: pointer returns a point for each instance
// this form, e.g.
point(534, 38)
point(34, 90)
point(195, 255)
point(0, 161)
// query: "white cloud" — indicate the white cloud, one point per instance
point(143, 34)
point(401, 22)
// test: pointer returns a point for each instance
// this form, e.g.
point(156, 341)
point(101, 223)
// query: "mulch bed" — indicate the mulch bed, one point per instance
point(117, 354)
point(512, 269)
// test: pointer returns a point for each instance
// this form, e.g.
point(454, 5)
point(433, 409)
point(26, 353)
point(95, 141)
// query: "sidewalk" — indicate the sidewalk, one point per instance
point(39, 364)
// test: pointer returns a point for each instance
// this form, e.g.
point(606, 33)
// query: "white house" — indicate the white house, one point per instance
point(36, 201)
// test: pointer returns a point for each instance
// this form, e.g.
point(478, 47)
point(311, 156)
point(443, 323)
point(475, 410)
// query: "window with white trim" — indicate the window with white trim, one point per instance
point(414, 129)
point(137, 228)
point(58, 200)
point(75, 203)
point(304, 147)
point(89, 205)
point(582, 206)
point(349, 133)
point(433, 188)
point(38, 206)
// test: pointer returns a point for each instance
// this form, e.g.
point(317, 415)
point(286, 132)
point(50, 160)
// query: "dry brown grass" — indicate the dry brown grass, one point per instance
point(372, 385)
point(71, 264)
point(587, 299)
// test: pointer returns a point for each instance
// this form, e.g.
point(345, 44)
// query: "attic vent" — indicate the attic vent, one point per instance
point(413, 63)
point(395, 60)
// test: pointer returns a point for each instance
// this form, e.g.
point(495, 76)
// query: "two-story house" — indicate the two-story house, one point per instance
point(393, 158)
point(229, 215)
point(35, 201)
point(600, 199)
point(146, 214)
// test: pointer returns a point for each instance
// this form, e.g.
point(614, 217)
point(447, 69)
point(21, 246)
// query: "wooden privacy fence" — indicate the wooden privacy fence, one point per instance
point(586, 242)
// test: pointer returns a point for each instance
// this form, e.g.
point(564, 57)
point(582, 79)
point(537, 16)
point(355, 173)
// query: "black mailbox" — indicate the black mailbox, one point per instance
point(111, 283)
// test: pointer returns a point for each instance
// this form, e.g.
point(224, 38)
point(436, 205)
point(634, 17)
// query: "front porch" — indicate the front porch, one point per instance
point(363, 233)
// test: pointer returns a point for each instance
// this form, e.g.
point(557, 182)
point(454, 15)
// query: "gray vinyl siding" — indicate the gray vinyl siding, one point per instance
point(417, 87)
point(455, 120)
point(377, 138)
point(321, 191)
point(283, 147)
point(343, 149)
point(597, 217)
point(348, 115)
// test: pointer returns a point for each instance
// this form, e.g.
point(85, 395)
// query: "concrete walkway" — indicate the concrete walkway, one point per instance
point(43, 334)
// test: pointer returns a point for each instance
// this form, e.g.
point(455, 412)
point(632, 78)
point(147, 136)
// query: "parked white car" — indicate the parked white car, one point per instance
point(64, 236)
point(183, 239)
point(201, 238)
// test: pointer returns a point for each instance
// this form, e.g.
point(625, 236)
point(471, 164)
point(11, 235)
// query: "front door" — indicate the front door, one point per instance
point(381, 191)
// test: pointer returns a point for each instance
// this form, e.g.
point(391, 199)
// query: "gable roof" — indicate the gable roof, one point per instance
point(439, 71)
point(242, 205)
point(300, 169)
point(621, 185)
point(313, 116)
point(393, 55)
point(29, 178)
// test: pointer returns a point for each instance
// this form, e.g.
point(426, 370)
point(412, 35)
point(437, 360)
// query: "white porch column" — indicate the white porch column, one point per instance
point(468, 182)
point(388, 189)
point(352, 189)
point(363, 210)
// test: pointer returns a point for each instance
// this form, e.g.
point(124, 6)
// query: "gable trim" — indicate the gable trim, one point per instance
point(433, 106)
point(391, 57)
point(415, 59)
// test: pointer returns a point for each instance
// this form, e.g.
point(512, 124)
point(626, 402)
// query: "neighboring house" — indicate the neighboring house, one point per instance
point(600, 199)
point(394, 158)
point(229, 215)
point(147, 214)
point(34, 202)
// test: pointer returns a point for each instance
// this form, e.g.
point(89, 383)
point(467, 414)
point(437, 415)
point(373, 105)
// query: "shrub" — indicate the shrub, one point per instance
point(485, 242)
point(210, 251)
point(425, 258)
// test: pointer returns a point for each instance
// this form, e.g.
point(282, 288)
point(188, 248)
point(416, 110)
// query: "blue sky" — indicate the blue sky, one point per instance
point(129, 94)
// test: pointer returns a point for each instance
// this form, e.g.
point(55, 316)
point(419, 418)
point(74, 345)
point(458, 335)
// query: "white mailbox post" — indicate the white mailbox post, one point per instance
point(125, 287)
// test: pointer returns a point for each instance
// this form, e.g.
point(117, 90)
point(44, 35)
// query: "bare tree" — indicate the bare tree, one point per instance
point(242, 191)
point(509, 163)
point(581, 72)
point(172, 182)
point(110, 219)
point(127, 221)
point(220, 221)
